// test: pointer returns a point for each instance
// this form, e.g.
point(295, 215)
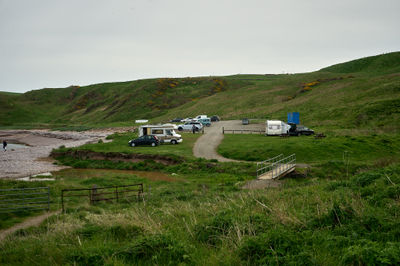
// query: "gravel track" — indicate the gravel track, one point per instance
point(206, 146)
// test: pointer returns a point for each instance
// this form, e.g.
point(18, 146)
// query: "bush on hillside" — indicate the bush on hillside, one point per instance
point(367, 252)
point(211, 231)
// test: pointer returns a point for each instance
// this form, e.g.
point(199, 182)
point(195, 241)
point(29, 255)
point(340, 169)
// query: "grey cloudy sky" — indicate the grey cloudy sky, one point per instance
point(55, 43)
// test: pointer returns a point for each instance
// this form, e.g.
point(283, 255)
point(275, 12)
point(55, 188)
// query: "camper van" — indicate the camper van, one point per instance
point(165, 133)
point(276, 128)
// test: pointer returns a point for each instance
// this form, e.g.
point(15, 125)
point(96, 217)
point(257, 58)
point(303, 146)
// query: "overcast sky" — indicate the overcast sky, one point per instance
point(55, 43)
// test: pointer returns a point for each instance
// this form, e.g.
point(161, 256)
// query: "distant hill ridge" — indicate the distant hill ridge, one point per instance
point(361, 93)
point(380, 63)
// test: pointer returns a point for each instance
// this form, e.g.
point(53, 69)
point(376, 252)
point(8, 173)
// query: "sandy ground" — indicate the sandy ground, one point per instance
point(206, 145)
point(21, 161)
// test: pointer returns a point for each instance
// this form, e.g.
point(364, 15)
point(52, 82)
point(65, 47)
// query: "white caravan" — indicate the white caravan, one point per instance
point(276, 128)
point(165, 133)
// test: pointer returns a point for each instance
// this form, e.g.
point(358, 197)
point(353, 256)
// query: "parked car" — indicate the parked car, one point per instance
point(296, 130)
point(177, 120)
point(145, 140)
point(187, 119)
point(245, 121)
point(205, 121)
point(215, 118)
point(189, 126)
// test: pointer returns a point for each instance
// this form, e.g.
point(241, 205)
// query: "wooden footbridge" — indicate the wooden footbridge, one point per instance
point(276, 167)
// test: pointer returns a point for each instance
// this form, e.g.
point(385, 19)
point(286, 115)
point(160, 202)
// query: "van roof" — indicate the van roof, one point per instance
point(173, 126)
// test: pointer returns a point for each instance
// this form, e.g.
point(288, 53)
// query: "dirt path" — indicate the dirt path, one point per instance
point(206, 146)
point(34, 221)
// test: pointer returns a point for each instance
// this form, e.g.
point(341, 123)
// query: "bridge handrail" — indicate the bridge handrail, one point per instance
point(271, 159)
point(278, 165)
point(283, 165)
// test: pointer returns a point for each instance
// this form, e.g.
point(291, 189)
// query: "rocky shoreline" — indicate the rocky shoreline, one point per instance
point(33, 157)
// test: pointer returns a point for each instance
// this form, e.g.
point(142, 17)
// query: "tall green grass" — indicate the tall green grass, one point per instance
point(195, 221)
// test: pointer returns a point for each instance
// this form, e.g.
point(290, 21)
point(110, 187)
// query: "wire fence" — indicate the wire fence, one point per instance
point(97, 194)
point(242, 131)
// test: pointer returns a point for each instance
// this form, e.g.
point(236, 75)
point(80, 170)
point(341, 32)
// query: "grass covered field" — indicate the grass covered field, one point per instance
point(359, 148)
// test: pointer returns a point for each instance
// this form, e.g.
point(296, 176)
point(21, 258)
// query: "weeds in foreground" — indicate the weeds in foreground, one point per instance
point(320, 221)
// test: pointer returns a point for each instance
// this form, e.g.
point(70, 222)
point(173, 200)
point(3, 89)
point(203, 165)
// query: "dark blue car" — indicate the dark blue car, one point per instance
point(145, 140)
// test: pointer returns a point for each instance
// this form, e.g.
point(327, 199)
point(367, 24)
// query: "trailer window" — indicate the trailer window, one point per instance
point(156, 131)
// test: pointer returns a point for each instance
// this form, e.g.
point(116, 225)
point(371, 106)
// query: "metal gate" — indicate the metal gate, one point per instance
point(96, 194)
point(24, 199)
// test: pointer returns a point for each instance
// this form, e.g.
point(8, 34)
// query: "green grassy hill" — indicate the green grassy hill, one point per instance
point(343, 208)
point(363, 93)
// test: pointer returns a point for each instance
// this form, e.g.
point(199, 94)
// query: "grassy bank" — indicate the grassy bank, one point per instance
point(208, 221)
point(370, 149)
point(120, 144)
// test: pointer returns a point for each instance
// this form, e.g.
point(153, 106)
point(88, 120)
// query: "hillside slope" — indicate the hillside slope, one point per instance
point(363, 93)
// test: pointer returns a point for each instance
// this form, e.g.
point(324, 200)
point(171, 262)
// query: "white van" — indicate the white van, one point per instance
point(276, 128)
point(165, 133)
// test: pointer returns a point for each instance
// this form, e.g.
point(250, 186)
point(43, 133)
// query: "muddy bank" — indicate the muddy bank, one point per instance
point(91, 173)
point(116, 156)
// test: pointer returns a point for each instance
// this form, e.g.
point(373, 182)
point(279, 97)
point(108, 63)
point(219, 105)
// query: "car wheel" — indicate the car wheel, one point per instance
point(180, 128)
point(173, 142)
point(153, 144)
point(133, 144)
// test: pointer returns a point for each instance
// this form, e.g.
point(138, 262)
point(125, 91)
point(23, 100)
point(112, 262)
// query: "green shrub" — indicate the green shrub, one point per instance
point(365, 179)
point(336, 216)
point(276, 247)
point(367, 252)
point(210, 231)
point(157, 249)
point(89, 255)
point(90, 231)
